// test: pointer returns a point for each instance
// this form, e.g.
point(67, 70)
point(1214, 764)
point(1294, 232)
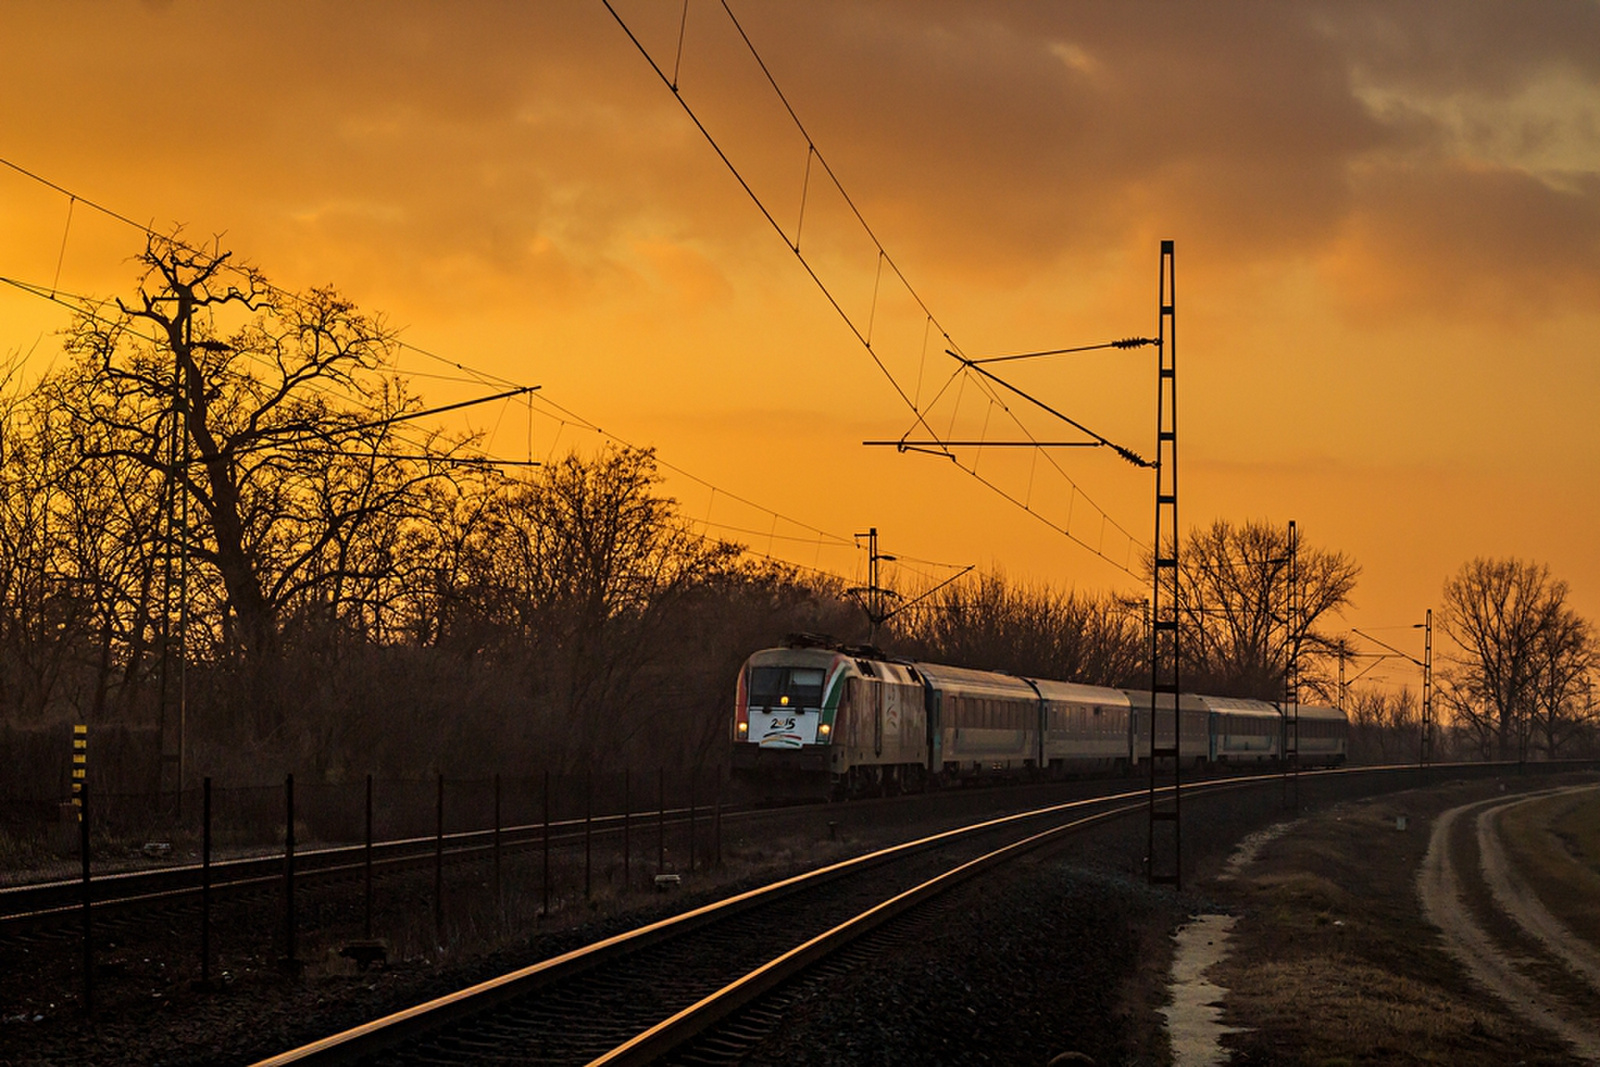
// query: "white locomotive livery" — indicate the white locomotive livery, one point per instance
point(813, 717)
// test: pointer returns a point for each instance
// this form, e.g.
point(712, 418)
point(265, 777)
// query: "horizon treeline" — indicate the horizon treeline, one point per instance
point(220, 525)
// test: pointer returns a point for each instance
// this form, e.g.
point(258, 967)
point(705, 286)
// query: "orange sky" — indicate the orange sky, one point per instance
point(1387, 220)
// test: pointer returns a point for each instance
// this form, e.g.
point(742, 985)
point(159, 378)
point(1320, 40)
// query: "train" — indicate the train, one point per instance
point(818, 718)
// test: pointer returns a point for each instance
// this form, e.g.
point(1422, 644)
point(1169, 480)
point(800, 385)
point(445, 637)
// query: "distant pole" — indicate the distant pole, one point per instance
point(691, 821)
point(874, 605)
point(1342, 709)
point(875, 592)
point(661, 820)
point(289, 961)
point(716, 824)
point(366, 862)
point(438, 866)
point(546, 881)
point(588, 834)
point(497, 894)
point(205, 883)
point(627, 852)
point(1291, 675)
point(88, 922)
point(1425, 755)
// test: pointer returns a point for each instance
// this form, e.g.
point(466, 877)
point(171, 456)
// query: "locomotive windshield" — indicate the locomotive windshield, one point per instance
point(802, 685)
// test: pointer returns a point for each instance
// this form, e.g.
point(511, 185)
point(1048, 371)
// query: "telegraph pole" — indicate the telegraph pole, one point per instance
point(1425, 748)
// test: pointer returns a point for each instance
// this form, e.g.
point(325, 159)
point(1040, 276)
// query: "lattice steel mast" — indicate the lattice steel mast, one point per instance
point(1291, 675)
point(1164, 805)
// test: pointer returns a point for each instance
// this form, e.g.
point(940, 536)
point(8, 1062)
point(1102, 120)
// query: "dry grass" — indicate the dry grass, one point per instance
point(1333, 963)
point(1554, 844)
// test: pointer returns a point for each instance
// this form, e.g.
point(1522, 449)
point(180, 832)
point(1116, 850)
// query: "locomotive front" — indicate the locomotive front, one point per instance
point(785, 714)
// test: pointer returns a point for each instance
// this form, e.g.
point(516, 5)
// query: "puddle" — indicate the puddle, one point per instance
point(1194, 1018)
point(1249, 848)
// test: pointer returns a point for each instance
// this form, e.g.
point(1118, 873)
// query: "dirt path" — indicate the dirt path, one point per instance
point(1511, 974)
point(1360, 927)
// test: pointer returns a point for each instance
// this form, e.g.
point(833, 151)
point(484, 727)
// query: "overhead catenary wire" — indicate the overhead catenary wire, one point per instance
point(88, 305)
point(862, 334)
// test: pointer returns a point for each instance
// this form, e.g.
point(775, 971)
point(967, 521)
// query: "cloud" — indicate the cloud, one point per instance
point(986, 144)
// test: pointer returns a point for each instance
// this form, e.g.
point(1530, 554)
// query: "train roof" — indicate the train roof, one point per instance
point(1140, 698)
point(804, 649)
point(980, 683)
point(1240, 706)
point(1077, 693)
point(1319, 711)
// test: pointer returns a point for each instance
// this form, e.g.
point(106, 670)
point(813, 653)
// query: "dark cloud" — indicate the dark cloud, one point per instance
point(1470, 241)
point(985, 141)
point(1486, 46)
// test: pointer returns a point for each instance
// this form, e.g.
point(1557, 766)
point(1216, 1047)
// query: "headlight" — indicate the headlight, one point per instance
point(744, 728)
point(824, 730)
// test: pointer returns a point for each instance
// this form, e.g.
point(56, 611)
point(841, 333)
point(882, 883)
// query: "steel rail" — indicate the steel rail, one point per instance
point(377, 1035)
point(385, 1032)
point(34, 902)
point(671, 1033)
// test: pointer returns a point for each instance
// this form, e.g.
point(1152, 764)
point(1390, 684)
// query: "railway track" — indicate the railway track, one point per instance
point(620, 1006)
point(32, 907)
point(639, 996)
point(43, 903)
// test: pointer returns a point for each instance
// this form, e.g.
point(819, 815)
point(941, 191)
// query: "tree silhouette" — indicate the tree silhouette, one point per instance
point(268, 418)
point(1236, 636)
point(1526, 658)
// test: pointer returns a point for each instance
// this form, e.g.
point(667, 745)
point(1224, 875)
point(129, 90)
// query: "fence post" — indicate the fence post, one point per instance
point(627, 871)
point(716, 824)
point(588, 826)
point(498, 898)
point(366, 862)
point(692, 777)
point(205, 884)
point(546, 879)
point(88, 927)
point(661, 819)
point(290, 964)
point(438, 867)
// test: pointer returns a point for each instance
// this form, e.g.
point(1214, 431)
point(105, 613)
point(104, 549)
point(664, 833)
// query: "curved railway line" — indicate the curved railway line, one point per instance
point(655, 991)
point(634, 997)
point(706, 985)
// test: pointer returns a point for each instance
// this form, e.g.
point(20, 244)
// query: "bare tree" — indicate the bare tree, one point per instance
point(268, 417)
point(1526, 659)
point(1233, 609)
point(1385, 726)
point(1032, 630)
point(589, 560)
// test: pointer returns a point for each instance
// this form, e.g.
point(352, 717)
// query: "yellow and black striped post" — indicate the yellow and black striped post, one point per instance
point(80, 765)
